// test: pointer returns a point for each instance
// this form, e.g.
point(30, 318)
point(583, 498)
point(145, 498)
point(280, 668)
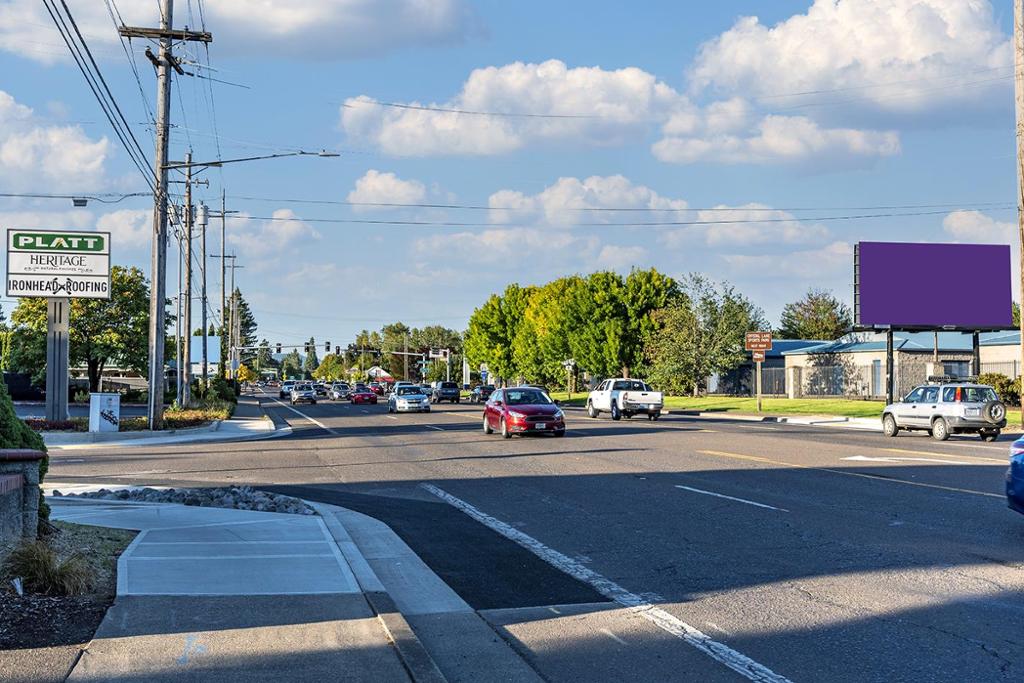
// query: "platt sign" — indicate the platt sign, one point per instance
point(58, 263)
point(759, 341)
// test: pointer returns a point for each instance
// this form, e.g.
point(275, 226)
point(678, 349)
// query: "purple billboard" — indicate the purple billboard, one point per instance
point(910, 285)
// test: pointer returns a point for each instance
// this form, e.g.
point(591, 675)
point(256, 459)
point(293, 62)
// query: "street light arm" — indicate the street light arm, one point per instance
point(220, 162)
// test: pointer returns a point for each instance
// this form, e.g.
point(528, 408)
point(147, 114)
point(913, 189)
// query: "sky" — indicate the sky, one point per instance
point(752, 142)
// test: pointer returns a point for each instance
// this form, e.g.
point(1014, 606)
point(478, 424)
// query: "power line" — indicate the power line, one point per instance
point(639, 224)
point(105, 198)
point(480, 207)
point(97, 84)
point(398, 105)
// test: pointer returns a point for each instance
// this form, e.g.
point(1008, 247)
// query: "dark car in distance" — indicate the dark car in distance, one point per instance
point(522, 410)
point(445, 391)
point(481, 393)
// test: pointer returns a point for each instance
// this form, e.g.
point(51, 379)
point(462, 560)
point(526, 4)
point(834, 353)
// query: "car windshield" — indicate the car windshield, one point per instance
point(969, 394)
point(303, 387)
point(449, 385)
point(518, 397)
point(407, 391)
point(487, 387)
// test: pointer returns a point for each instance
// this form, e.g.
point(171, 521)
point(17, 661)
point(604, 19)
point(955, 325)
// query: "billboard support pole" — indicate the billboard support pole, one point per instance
point(58, 313)
point(1018, 89)
point(976, 355)
point(888, 368)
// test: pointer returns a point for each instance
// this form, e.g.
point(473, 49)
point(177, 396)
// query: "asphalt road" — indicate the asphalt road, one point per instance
point(683, 549)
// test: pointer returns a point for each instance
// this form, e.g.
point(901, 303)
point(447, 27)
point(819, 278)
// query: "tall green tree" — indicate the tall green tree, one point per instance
point(698, 334)
point(291, 365)
point(542, 344)
point(102, 331)
point(393, 339)
point(312, 362)
point(493, 328)
point(265, 357)
point(599, 317)
point(331, 368)
point(818, 315)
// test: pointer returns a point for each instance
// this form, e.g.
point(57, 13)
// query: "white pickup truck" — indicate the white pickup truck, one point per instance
point(625, 397)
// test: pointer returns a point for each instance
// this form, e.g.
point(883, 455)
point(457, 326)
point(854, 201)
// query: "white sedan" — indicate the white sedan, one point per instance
point(408, 399)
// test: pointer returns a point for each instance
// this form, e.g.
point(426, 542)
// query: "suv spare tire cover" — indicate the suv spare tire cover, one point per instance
point(994, 411)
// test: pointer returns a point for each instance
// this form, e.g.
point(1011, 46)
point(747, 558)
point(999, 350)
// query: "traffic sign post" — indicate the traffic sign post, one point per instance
point(758, 343)
point(57, 265)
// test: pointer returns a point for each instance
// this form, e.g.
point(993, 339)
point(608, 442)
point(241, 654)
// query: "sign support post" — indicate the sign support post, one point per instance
point(58, 314)
point(758, 343)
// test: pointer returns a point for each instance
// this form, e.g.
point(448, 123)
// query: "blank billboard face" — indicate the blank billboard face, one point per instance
point(902, 284)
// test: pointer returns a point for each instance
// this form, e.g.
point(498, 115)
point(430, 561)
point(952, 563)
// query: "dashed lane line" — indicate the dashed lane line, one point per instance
point(720, 652)
point(862, 475)
point(318, 423)
point(947, 455)
point(722, 495)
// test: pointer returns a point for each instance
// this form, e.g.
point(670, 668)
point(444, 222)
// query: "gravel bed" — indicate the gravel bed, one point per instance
point(236, 497)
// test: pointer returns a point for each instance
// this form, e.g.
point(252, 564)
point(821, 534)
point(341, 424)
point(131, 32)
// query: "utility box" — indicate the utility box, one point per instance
point(104, 412)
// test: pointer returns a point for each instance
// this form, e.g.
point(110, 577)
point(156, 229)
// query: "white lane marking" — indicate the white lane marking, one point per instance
point(366, 411)
point(391, 417)
point(318, 423)
point(738, 500)
point(866, 458)
point(433, 427)
point(720, 652)
point(614, 637)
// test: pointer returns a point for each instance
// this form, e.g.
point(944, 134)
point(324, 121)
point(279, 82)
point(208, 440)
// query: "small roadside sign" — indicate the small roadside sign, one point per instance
point(758, 341)
point(758, 356)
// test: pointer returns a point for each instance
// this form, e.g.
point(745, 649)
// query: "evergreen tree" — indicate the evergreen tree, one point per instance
point(291, 365)
point(818, 315)
point(312, 362)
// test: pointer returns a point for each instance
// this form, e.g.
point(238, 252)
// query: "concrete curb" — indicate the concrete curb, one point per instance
point(75, 438)
point(415, 658)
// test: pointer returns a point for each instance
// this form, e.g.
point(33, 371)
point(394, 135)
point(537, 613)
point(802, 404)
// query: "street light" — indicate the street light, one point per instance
point(220, 162)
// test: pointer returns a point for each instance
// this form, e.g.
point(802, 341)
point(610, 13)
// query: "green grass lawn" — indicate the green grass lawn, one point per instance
point(771, 406)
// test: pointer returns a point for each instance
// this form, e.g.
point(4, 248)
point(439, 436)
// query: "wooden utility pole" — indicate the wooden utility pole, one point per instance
point(158, 265)
point(1018, 88)
point(223, 274)
point(202, 217)
point(186, 390)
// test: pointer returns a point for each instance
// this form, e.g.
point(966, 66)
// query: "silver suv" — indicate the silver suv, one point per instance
point(944, 406)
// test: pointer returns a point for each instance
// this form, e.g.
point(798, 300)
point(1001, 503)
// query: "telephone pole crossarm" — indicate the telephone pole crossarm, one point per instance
point(172, 34)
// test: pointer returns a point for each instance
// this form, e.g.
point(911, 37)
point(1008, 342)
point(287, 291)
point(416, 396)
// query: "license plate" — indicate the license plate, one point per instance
point(541, 425)
point(973, 412)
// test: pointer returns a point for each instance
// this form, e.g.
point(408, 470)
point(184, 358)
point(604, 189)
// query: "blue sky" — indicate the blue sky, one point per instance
point(756, 110)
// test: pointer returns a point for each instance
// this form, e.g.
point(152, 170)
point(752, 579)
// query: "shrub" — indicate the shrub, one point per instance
point(81, 396)
point(1008, 389)
point(14, 433)
point(74, 424)
point(42, 571)
point(221, 389)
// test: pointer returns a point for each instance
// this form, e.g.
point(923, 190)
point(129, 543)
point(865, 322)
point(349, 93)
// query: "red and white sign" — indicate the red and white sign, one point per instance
point(758, 356)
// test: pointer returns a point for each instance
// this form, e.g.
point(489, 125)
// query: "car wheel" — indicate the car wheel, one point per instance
point(655, 416)
point(505, 434)
point(487, 426)
point(458, 400)
point(590, 410)
point(989, 434)
point(940, 429)
point(889, 426)
point(616, 414)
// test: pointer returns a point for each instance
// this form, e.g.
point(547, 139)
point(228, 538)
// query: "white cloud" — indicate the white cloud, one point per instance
point(774, 140)
point(268, 240)
point(561, 203)
point(599, 107)
point(128, 228)
point(616, 257)
point(749, 225)
point(385, 188)
point(828, 263)
point(320, 29)
point(974, 226)
point(33, 155)
point(890, 55)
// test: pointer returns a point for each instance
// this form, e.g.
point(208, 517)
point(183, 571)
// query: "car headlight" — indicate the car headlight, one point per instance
point(516, 416)
point(559, 414)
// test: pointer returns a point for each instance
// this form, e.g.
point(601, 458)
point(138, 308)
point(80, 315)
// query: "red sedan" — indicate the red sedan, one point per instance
point(363, 396)
point(522, 410)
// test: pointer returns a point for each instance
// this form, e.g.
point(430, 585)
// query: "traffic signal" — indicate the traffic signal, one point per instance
point(327, 347)
point(279, 347)
point(305, 347)
point(337, 350)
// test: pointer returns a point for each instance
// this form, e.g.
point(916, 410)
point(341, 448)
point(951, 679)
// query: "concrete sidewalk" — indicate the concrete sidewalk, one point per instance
point(210, 594)
point(235, 429)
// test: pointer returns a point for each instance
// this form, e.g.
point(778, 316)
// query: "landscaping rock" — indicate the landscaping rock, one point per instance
point(235, 497)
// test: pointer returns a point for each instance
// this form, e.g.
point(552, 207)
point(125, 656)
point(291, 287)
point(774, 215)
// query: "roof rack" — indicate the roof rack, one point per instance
point(946, 379)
